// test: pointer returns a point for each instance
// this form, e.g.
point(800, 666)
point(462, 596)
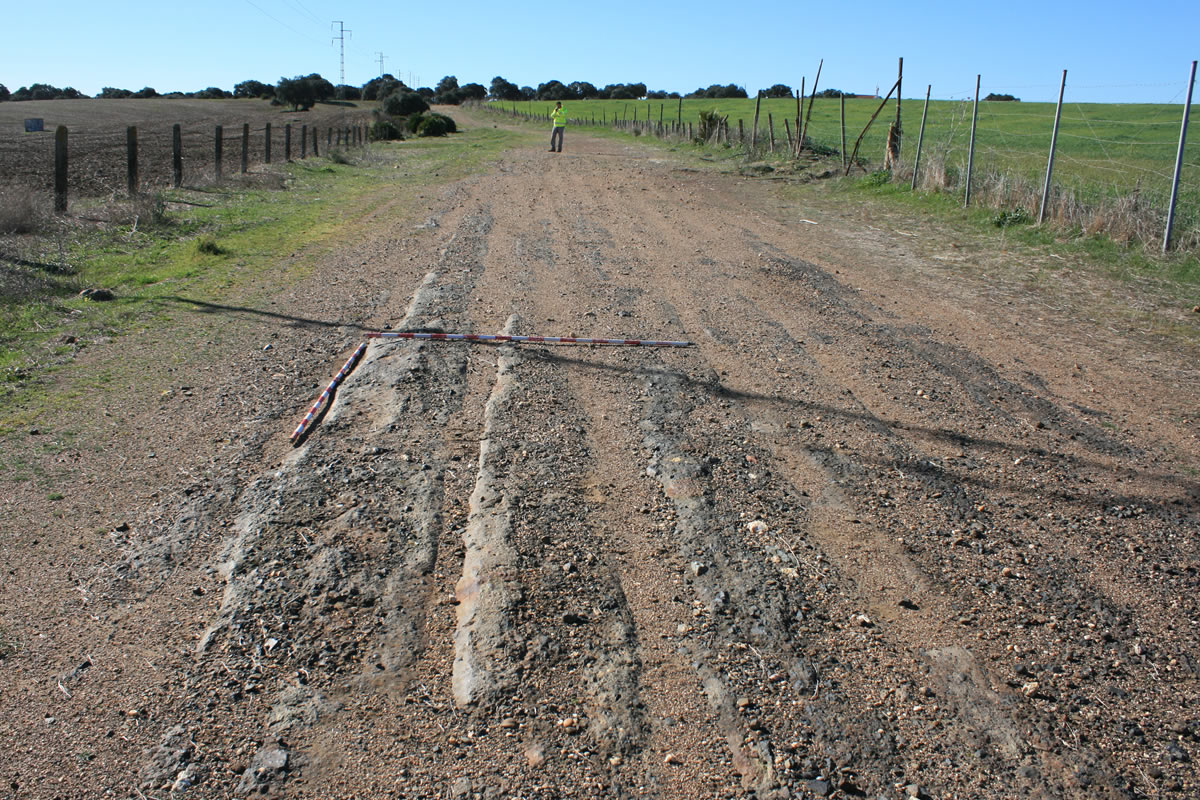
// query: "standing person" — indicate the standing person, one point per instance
point(559, 120)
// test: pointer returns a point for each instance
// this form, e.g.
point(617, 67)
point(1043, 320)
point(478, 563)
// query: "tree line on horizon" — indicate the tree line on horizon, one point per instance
point(302, 92)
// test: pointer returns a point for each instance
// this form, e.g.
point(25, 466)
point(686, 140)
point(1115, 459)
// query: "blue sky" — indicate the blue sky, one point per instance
point(1114, 52)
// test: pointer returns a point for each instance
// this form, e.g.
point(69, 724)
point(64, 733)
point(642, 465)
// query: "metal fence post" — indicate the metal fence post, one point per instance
point(1053, 141)
point(920, 136)
point(1187, 106)
point(971, 149)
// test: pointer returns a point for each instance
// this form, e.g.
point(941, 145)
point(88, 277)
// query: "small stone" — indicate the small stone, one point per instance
point(698, 568)
point(1030, 688)
point(616, 760)
point(672, 759)
point(864, 621)
point(508, 723)
point(1008, 572)
point(757, 527)
point(535, 754)
point(819, 788)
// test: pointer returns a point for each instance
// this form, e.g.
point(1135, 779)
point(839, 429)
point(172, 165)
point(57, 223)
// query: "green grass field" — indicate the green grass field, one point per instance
point(1103, 149)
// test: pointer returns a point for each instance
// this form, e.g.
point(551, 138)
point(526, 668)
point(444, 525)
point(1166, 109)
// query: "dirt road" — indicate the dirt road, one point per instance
point(882, 532)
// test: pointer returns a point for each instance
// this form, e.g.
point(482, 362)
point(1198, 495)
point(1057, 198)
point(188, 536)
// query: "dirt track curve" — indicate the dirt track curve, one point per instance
point(878, 534)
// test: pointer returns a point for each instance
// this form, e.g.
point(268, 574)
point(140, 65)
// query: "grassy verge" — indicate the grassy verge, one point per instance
point(230, 242)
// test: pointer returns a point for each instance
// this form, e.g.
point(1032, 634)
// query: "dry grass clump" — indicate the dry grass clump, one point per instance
point(1127, 218)
point(20, 212)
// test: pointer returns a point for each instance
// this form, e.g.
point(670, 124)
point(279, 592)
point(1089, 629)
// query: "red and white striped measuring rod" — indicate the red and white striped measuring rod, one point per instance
point(333, 384)
point(487, 337)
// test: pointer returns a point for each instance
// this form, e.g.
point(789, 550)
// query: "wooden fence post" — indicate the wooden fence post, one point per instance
point(328, 139)
point(316, 138)
point(176, 155)
point(131, 165)
point(287, 142)
point(60, 169)
point(245, 147)
point(267, 145)
point(218, 146)
point(771, 128)
point(304, 141)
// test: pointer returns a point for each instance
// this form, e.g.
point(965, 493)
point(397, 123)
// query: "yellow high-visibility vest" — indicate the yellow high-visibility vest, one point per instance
point(560, 117)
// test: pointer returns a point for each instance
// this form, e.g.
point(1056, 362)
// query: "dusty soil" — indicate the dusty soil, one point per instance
point(889, 529)
point(98, 149)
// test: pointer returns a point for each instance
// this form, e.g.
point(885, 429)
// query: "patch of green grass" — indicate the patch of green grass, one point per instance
point(212, 245)
point(55, 496)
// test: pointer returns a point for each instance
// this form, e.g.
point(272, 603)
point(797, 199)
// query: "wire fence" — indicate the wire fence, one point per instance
point(133, 159)
point(1113, 163)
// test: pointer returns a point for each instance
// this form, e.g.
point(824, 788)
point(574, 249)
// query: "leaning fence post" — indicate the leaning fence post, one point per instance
point(177, 155)
point(754, 130)
point(1053, 141)
point(245, 147)
point(60, 169)
point(1187, 105)
point(971, 149)
point(842, 97)
point(218, 142)
point(131, 165)
point(921, 135)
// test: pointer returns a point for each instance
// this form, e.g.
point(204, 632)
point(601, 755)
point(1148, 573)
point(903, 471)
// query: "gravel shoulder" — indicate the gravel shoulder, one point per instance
point(888, 530)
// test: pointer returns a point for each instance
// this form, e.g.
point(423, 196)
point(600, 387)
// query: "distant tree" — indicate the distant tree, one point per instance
point(4, 93)
point(254, 89)
point(778, 90)
point(381, 87)
point(36, 91)
point(617, 91)
point(109, 93)
point(504, 90)
point(346, 92)
point(1006, 97)
point(144, 93)
point(404, 104)
point(70, 93)
point(528, 93)
point(552, 90)
point(473, 91)
point(446, 85)
point(582, 90)
point(303, 92)
point(212, 93)
point(425, 92)
point(831, 93)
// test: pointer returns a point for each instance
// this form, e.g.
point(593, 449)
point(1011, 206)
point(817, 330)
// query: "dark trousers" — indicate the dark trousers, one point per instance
point(557, 133)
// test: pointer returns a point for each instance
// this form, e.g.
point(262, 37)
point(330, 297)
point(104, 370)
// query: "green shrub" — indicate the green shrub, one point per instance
point(1011, 216)
point(402, 104)
point(436, 125)
point(386, 129)
point(208, 246)
point(880, 177)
